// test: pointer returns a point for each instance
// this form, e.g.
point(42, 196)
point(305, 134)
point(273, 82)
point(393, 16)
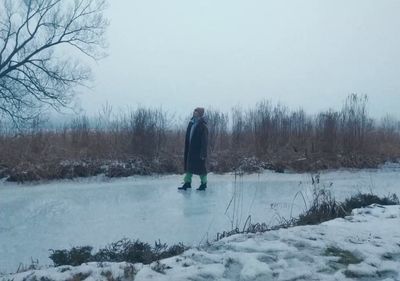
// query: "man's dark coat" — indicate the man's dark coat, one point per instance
point(196, 148)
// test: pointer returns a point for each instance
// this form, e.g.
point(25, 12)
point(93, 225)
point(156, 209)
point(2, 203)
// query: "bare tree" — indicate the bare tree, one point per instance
point(43, 46)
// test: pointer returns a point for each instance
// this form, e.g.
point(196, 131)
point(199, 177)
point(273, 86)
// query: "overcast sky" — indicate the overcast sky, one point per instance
point(180, 54)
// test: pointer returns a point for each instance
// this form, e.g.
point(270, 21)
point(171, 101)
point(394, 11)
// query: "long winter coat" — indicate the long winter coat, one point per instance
point(196, 148)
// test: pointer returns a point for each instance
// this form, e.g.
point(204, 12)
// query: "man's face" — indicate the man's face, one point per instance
point(195, 113)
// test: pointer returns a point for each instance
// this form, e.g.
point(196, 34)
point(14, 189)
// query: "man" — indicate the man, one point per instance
point(196, 150)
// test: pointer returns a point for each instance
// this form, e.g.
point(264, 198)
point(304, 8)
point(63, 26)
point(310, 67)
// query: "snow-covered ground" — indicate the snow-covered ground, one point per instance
point(363, 246)
point(56, 215)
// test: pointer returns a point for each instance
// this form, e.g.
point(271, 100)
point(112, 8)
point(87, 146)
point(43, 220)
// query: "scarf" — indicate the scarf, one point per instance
point(195, 122)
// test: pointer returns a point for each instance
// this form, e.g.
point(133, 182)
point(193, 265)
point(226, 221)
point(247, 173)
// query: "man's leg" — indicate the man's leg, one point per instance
point(203, 179)
point(188, 178)
point(187, 181)
point(203, 185)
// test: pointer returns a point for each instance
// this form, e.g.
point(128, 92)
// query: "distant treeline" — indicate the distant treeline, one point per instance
point(148, 140)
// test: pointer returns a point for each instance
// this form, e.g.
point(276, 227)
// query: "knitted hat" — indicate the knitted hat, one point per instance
point(200, 111)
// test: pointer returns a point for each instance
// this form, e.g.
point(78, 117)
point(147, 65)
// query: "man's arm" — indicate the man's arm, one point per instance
point(204, 143)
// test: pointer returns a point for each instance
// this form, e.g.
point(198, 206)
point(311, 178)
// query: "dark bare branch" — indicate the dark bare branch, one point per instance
point(36, 37)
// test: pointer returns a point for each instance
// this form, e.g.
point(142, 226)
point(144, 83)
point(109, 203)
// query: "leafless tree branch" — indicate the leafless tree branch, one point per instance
point(41, 42)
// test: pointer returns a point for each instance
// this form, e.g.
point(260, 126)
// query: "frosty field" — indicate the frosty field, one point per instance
point(55, 215)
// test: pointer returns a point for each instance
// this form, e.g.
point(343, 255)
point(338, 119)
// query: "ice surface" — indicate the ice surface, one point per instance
point(55, 215)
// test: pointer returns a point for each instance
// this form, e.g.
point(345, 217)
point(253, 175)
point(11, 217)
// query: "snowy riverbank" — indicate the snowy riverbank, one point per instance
point(63, 214)
point(365, 245)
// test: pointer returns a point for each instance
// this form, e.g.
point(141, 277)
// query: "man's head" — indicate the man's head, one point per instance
point(198, 112)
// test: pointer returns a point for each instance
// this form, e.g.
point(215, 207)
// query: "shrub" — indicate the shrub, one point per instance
point(120, 251)
point(76, 256)
point(324, 207)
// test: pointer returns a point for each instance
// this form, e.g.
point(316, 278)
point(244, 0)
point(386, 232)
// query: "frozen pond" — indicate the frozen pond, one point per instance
point(38, 217)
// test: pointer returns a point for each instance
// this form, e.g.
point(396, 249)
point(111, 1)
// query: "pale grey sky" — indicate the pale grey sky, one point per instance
point(180, 54)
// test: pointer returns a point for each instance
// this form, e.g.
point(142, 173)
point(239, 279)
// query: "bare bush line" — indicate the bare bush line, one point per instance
point(323, 207)
point(146, 140)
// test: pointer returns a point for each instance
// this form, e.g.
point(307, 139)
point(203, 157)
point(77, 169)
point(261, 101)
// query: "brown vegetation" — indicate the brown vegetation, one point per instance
point(146, 141)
